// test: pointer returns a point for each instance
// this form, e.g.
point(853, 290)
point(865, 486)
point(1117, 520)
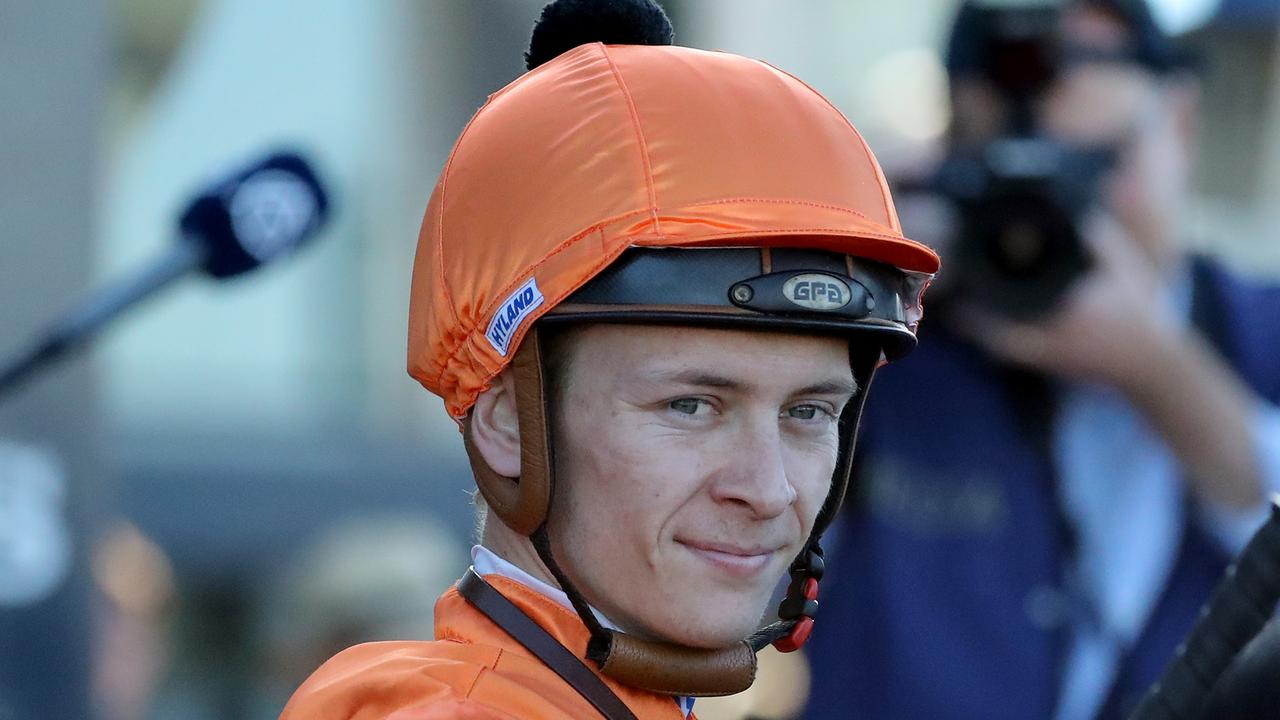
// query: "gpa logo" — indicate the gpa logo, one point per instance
point(511, 313)
point(817, 291)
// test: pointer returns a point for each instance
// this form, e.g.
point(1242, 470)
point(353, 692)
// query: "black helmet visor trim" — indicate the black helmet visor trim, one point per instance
point(778, 288)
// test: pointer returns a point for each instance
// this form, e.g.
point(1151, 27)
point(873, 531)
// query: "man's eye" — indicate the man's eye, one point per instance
point(806, 412)
point(688, 406)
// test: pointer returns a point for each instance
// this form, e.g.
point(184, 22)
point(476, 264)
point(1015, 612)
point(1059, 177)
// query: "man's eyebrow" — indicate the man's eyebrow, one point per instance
point(703, 378)
point(698, 378)
point(831, 387)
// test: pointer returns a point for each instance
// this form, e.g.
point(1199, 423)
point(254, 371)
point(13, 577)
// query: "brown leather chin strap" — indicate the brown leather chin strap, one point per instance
point(679, 670)
point(524, 505)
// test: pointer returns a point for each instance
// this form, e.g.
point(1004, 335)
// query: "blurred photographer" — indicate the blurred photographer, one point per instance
point(1100, 428)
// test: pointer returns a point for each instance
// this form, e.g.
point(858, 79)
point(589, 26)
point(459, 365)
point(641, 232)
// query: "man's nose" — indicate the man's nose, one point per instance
point(755, 474)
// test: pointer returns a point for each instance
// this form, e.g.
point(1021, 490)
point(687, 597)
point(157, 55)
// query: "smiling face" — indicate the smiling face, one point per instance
point(691, 464)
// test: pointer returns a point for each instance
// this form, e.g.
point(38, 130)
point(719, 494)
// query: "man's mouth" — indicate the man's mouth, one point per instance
point(734, 559)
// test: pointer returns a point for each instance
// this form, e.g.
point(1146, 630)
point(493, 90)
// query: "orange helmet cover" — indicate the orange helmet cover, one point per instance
point(610, 147)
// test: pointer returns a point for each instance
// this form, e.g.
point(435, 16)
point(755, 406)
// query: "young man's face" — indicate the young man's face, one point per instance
point(691, 464)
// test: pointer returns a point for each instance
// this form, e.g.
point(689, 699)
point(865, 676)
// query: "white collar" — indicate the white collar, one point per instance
point(486, 562)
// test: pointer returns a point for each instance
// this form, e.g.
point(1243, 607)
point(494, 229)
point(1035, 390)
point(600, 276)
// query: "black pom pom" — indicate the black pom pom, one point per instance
point(566, 24)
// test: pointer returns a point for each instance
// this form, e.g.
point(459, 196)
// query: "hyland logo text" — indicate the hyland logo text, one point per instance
point(511, 313)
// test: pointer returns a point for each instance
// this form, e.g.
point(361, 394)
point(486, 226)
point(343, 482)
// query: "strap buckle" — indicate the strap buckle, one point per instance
point(801, 602)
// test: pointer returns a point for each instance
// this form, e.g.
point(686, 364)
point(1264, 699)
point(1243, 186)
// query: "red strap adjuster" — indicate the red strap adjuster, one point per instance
point(803, 628)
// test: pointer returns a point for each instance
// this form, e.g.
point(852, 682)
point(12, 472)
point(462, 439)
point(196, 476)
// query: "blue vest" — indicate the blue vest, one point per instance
point(943, 597)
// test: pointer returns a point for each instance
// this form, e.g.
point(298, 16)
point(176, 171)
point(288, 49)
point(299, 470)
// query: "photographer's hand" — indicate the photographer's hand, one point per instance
point(1115, 327)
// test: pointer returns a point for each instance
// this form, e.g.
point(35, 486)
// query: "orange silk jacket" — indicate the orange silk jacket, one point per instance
point(472, 670)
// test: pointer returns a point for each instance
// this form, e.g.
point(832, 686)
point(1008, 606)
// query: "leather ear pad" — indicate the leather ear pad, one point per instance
point(522, 503)
point(677, 670)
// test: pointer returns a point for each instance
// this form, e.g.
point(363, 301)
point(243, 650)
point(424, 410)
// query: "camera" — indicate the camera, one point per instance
point(1020, 196)
point(1019, 200)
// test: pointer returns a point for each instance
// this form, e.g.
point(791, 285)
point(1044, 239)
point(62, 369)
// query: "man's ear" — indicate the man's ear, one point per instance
point(495, 427)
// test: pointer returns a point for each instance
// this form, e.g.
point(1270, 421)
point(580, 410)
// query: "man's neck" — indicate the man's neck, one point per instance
point(517, 551)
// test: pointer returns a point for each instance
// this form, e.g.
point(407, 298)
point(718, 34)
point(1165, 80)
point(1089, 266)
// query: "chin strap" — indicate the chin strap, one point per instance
point(679, 670)
point(524, 505)
point(649, 665)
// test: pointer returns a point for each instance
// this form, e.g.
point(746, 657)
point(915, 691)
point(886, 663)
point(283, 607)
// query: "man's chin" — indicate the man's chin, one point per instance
point(700, 611)
point(712, 626)
point(712, 639)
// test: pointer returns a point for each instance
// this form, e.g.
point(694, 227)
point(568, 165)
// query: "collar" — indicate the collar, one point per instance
point(487, 564)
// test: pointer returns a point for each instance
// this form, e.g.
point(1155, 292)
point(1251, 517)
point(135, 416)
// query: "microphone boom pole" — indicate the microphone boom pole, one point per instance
point(259, 214)
point(96, 311)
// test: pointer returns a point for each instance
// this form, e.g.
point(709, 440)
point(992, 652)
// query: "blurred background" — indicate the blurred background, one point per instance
point(240, 477)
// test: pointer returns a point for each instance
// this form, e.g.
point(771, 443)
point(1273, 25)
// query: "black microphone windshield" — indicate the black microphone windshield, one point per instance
point(261, 213)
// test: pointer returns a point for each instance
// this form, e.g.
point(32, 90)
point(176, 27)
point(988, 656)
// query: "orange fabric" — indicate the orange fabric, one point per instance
point(473, 669)
point(608, 147)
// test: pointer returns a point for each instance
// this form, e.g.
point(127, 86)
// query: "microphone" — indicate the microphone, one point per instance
point(261, 213)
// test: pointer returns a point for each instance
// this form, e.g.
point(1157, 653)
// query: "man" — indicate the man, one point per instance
point(1086, 475)
point(652, 285)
